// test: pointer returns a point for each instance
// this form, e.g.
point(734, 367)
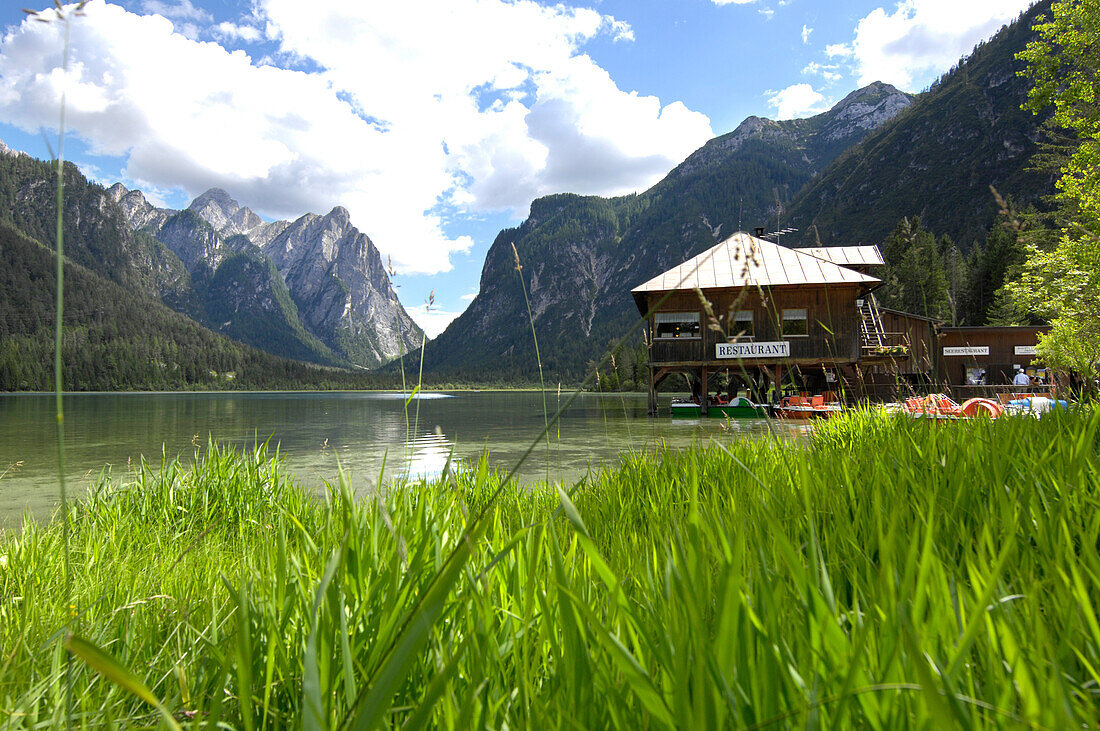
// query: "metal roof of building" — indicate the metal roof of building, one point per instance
point(847, 256)
point(743, 260)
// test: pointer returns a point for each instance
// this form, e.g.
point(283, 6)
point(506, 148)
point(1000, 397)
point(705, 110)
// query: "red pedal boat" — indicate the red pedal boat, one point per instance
point(807, 407)
point(943, 407)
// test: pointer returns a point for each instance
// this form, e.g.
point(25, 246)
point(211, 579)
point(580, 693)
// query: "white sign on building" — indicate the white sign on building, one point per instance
point(780, 349)
point(967, 350)
point(1024, 350)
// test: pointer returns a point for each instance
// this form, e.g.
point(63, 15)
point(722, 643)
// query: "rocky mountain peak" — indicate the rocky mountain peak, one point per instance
point(218, 197)
point(116, 191)
point(5, 150)
point(872, 92)
point(752, 124)
point(752, 127)
point(339, 217)
point(338, 289)
point(244, 220)
point(865, 109)
point(216, 207)
point(139, 212)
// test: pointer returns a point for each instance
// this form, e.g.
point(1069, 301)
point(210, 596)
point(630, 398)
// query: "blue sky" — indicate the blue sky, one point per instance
point(436, 122)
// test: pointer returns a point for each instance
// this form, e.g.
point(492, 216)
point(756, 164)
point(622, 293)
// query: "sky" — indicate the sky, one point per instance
point(437, 122)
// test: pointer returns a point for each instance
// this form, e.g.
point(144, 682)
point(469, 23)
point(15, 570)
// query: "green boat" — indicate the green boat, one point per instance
point(739, 408)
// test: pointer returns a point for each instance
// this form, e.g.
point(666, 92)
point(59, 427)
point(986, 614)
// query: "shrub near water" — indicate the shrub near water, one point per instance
point(883, 573)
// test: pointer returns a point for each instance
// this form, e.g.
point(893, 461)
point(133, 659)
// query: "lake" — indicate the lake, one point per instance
point(365, 430)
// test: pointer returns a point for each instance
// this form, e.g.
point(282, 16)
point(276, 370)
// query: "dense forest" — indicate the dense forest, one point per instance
point(932, 276)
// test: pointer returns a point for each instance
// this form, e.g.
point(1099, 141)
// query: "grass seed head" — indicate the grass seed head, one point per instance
point(515, 257)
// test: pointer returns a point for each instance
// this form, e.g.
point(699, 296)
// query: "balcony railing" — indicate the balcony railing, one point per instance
point(885, 345)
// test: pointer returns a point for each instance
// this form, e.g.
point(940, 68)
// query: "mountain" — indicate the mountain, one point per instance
point(228, 217)
point(117, 338)
point(231, 287)
point(846, 176)
point(938, 158)
point(339, 306)
point(247, 300)
point(341, 310)
point(140, 213)
point(582, 254)
point(96, 234)
point(733, 181)
point(336, 276)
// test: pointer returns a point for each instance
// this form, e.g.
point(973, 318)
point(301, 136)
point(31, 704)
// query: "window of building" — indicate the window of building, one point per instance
point(795, 323)
point(679, 325)
point(743, 325)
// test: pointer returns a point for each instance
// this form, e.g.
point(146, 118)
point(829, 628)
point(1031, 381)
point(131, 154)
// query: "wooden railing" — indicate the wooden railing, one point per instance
point(885, 344)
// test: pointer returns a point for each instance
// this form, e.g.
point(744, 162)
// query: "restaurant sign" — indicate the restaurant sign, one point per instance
point(1024, 350)
point(780, 349)
point(967, 350)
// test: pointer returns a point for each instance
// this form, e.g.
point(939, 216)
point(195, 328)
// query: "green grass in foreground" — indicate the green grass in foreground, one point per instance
point(885, 573)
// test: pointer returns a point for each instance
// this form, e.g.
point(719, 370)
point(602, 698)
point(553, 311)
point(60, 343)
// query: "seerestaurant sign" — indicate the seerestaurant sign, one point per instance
point(967, 350)
point(781, 349)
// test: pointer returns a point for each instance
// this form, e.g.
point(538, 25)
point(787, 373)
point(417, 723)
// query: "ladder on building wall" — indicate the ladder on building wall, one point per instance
point(871, 323)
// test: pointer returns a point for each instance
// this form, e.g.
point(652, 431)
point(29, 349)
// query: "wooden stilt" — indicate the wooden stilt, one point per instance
point(765, 377)
point(651, 408)
point(705, 388)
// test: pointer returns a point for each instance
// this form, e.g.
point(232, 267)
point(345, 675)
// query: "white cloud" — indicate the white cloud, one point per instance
point(94, 173)
point(434, 321)
point(797, 100)
point(620, 30)
point(469, 296)
point(181, 10)
point(921, 39)
point(806, 31)
point(232, 31)
point(733, 2)
point(479, 104)
point(826, 71)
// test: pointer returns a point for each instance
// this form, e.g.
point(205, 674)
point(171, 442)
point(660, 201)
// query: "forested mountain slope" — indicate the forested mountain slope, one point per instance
point(119, 339)
point(339, 308)
point(937, 159)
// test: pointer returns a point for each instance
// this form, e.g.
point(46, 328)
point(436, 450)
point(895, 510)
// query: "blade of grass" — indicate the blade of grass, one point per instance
point(116, 672)
point(313, 704)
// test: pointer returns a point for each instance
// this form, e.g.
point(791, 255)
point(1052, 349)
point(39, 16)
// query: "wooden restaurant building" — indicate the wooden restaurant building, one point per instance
point(767, 318)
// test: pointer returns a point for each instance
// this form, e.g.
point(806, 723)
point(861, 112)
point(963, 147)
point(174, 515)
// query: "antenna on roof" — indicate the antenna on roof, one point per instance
point(777, 234)
point(778, 214)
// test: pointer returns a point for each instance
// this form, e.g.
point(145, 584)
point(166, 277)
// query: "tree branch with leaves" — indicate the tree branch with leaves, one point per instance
point(1063, 283)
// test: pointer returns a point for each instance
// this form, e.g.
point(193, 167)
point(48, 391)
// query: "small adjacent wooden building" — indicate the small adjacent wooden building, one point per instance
point(773, 317)
point(988, 356)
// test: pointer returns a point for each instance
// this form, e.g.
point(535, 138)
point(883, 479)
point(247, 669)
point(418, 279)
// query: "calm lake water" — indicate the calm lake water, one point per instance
point(366, 430)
